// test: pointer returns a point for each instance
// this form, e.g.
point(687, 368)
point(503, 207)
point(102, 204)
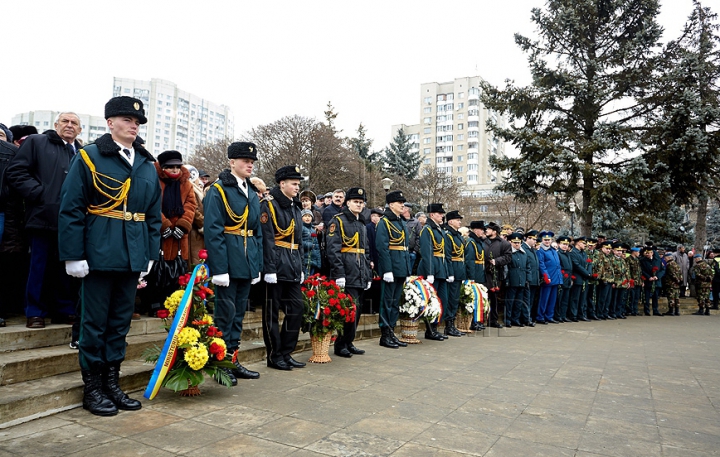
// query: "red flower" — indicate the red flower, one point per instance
point(572, 277)
point(595, 275)
point(333, 301)
point(316, 283)
point(183, 280)
point(326, 311)
point(546, 278)
point(331, 292)
point(326, 322)
point(313, 234)
point(625, 281)
point(342, 312)
point(202, 254)
point(201, 294)
point(303, 289)
point(162, 313)
point(198, 279)
point(215, 348)
point(655, 269)
point(212, 331)
point(643, 278)
point(565, 275)
point(341, 296)
point(311, 293)
point(632, 283)
point(589, 260)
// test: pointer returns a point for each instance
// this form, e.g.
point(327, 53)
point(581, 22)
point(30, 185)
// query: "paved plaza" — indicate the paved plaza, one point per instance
point(645, 386)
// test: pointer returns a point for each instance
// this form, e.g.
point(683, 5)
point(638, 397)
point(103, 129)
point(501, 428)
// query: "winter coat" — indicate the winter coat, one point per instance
point(283, 255)
point(329, 212)
point(110, 244)
point(37, 173)
point(435, 257)
point(14, 238)
point(391, 243)
point(196, 239)
point(703, 273)
point(549, 262)
point(518, 269)
point(565, 268)
point(673, 276)
point(683, 261)
point(534, 277)
point(647, 266)
point(475, 259)
point(311, 247)
point(581, 268)
point(455, 246)
point(171, 245)
point(500, 250)
point(238, 254)
point(622, 273)
point(371, 234)
point(354, 264)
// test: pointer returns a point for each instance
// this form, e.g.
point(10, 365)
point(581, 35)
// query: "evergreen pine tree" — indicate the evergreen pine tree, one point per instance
point(398, 158)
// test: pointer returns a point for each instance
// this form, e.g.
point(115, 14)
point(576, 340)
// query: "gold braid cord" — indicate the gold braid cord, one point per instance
point(457, 250)
point(438, 248)
point(114, 200)
point(280, 233)
point(350, 242)
point(239, 221)
point(396, 235)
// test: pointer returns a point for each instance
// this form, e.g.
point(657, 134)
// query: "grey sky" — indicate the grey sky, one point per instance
point(267, 59)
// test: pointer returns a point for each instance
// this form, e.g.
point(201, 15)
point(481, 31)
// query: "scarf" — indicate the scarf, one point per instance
point(172, 205)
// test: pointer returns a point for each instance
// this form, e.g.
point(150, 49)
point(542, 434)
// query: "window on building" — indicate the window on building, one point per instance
point(127, 90)
point(472, 124)
point(426, 161)
point(426, 130)
point(474, 91)
point(459, 158)
point(427, 120)
point(460, 126)
point(426, 150)
point(472, 167)
point(460, 136)
point(46, 123)
point(472, 156)
point(461, 116)
point(459, 169)
point(483, 208)
point(427, 109)
point(460, 147)
point(427, 140)
point(461, 105)
point(459, 178)
point(461, 95)
point(427, 100)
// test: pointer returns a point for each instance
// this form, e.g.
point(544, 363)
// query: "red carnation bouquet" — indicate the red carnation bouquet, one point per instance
point(326, 306)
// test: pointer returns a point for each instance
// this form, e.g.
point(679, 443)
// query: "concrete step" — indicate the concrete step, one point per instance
point(25, 400)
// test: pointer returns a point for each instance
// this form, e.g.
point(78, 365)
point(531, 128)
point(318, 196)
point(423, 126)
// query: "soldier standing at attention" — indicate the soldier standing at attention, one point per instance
point(633, 261)
point(582, 271)
point(593, 254)
point(652, 271)
point(563, 299)
point(109, 231)
point(550, 279)
point(434, 258)
point(394, 265)
point(349, 257)
point(455, 246)
point(517, 280)
point(703, 280)
point(282, 267)
point(603, 267)
point(234, 239)
point(475, 260)
point(673, 281)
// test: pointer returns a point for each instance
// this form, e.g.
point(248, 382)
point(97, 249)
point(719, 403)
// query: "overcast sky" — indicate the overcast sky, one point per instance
point(267, 59)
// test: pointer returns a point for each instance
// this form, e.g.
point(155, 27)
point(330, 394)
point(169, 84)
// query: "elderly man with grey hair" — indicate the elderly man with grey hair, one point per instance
point(37, 173)
point(683, 261)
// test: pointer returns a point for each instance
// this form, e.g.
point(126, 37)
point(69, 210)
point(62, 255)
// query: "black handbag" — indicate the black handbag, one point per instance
point(165, 273)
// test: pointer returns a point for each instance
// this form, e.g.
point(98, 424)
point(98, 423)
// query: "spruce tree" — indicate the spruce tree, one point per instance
point(576, 124)
point(398, 158)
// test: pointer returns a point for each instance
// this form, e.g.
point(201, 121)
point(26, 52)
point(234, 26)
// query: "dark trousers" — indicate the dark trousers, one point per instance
point(619, 297)
point(591, 301)
point(281, 342)
point(530, 296)
point(715, 293)
point(654, 294)
point(49, 289)
point(230, 306)
point(107, 300)
point(349, 328)
point(603, 296)
point(563, 302)
point(576, 310)
point(546, 305)
point(441, 288)
point(515, 306)
point(494, 298)
point(453, 292)
point(390, 302)
point(635, 294)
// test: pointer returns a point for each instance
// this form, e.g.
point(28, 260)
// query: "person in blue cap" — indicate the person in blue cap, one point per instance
point(550, 278)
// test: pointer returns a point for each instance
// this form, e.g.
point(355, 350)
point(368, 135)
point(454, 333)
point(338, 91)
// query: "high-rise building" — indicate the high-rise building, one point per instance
point(451, 135)
point(92, 126)
point(177, 119)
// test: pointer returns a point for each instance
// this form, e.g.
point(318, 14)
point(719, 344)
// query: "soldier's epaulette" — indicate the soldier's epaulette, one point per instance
point(269, 197)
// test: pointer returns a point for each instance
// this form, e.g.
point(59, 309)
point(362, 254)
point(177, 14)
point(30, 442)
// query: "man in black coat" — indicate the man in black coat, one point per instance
point(37, 173)
point(498, 253)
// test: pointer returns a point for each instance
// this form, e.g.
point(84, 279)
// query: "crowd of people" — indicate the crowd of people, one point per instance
point(110, 229)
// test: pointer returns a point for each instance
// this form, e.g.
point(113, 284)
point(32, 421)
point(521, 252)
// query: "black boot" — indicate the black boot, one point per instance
point(450, 328)
point(677, 308)
point(386, 340)
point(670, 309)
point(430, 334)
point(700, 311)
point(707, 310)
point(94, 400)
point(111, 388)
point(395, 339)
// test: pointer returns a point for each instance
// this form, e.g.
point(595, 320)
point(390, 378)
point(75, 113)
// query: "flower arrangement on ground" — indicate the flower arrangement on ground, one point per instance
point(194, 345)
point(474, 303)
point(326, 306)
point(419, 299)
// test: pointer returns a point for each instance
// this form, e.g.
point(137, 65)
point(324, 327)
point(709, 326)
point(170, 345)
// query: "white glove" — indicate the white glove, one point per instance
point(271, 278)
point(145, 273)
point(302, 277)
point(256, 280)
point(369, 284)
point(77, 268)
point(388, 277)
point(430, 279)
point(451, 279)
point(340, 282)
point(221, 280)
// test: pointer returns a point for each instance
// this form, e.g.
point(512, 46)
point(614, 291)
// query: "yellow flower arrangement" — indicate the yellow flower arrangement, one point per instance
point(172, 302)
point(188, 335)
point(196, 356)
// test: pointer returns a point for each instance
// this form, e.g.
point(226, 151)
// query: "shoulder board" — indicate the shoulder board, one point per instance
point(269, 197)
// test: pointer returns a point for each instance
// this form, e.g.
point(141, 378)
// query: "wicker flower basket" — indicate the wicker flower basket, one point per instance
point(463, 322)
point(320, 348)
point(408, 331)
point(191, 391)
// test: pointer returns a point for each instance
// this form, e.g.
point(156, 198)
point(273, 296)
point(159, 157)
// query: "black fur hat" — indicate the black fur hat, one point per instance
point(435, 208)
point(453, 215)
point(356, 193)
point(477, 225)
point(242, 150)
point(288, 172)
point(395, 196)
point(125, 106)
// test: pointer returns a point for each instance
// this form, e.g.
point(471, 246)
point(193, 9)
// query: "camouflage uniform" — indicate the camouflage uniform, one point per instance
point(672, 281)
point(636, 284)
point(606, 277)
point(703, 279)
point(622, 283)
point(591, 305)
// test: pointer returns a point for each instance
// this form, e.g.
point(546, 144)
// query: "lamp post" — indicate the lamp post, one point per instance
point(386, 184)
point(572, 219)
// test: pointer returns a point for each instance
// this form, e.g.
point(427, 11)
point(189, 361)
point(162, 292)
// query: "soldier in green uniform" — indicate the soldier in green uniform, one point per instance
point(593, 253)
point(109, 233)
point(349, 257)
point(282, 268)
point(563, 298)
point(673, 280)
point(434, 259)
point(621, 283)
point(517, 281)
point(581, 273)
point(394, 265)
point(455, 249)
point(233, 239)
point(703, 279)
point(475, 260)
point(606, 278)
point(633, 262)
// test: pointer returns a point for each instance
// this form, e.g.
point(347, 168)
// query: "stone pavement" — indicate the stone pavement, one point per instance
point(645, 386)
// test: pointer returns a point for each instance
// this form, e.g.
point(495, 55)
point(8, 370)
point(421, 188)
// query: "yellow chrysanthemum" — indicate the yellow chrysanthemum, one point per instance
point(172, 302)
point(208, 318)
point(219, 341)
point(196, 356)
point(188, 335)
